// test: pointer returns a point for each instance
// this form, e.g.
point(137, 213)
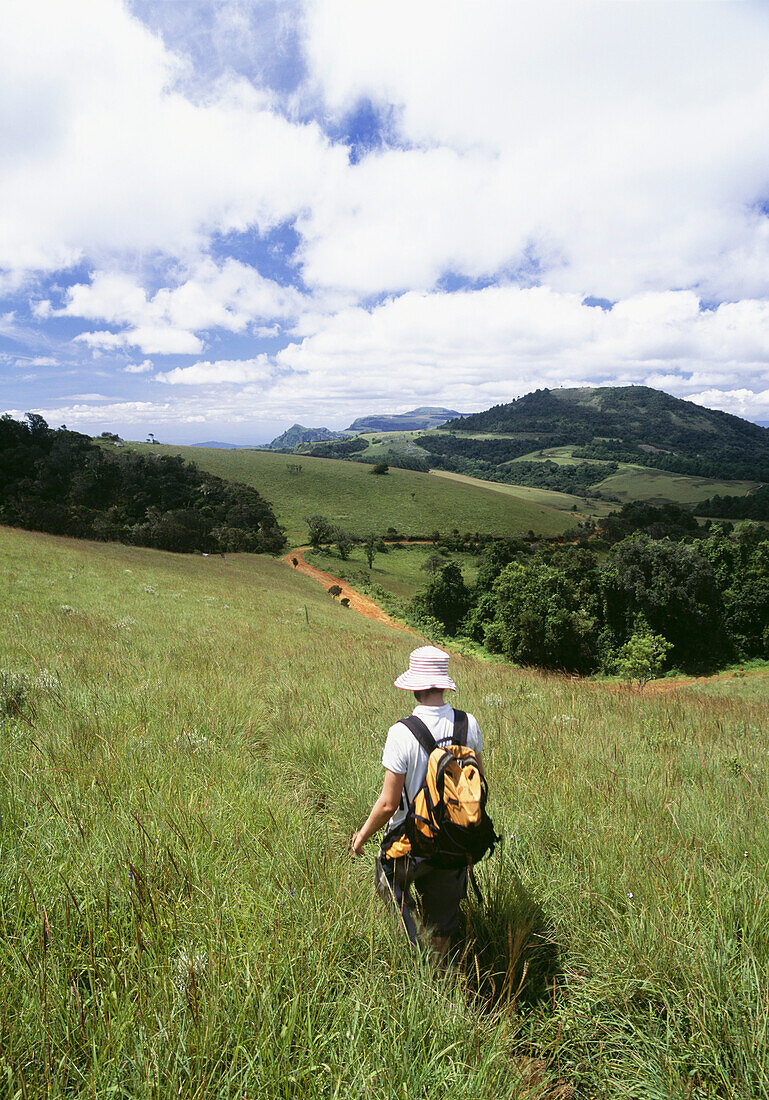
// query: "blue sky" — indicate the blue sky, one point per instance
point(220, 218)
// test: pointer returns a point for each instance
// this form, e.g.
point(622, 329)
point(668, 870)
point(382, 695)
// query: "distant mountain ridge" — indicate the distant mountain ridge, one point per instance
point(297, 434)
point(416, 420)
point(635, 424)
point(217, 445)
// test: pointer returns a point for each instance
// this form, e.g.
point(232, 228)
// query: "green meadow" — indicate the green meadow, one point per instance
point(400, 572)
point(351, 496)
point(188, 745)
point(565, 502)
point(644, 482)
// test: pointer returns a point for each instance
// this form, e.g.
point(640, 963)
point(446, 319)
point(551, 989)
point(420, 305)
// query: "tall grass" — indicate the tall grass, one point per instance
point(189, 746)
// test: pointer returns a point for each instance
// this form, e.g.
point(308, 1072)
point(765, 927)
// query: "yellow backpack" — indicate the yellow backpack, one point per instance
point(446, 822)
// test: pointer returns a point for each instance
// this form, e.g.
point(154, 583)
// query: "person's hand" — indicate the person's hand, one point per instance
point(357, 844)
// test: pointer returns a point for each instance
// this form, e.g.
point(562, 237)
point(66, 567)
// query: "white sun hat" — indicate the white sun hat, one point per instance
point(428, 668)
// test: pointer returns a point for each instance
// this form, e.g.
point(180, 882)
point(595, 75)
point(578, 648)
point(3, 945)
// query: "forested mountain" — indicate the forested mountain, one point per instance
point(615, 424)
point(64, 483)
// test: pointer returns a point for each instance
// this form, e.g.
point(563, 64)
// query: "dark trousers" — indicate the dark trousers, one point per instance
point(438, 889)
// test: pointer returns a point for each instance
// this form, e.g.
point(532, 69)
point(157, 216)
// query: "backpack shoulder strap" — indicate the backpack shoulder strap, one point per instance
point(460, 728)
point(421, 732)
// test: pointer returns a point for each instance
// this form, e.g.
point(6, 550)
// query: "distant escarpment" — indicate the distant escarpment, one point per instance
point(298, 434)
point(417, 420)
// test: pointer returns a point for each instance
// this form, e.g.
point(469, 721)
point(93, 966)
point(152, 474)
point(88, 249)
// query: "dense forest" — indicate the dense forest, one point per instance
point(625, 424)
point(340, 448)
point(645, 577)
point(62, 482)
point(753, 506)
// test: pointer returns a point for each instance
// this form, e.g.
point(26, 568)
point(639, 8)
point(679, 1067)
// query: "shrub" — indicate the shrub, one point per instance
point(641, 657)
point(16, 694)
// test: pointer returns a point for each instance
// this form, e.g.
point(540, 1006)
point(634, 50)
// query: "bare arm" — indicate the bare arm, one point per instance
point(382, 810)
point(481, 768)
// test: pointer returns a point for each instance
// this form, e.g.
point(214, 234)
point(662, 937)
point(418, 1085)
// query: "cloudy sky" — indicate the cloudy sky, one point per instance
point(217, 218)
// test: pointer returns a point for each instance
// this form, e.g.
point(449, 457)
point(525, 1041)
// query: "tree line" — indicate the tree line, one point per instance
point(701, 598)
point(61, 482)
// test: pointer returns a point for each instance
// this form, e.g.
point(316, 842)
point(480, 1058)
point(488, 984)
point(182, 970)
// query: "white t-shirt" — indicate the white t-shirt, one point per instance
point(405, 756)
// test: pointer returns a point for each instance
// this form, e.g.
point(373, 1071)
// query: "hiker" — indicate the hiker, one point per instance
point(405, 760)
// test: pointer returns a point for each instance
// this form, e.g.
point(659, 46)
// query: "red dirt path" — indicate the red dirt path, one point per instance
point(364, 605)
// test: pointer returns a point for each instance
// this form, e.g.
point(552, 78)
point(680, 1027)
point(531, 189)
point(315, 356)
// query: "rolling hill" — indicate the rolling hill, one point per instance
point(346, 492)
point(630, 424)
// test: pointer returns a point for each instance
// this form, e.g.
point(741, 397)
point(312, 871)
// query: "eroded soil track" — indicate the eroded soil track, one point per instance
point(364, 605)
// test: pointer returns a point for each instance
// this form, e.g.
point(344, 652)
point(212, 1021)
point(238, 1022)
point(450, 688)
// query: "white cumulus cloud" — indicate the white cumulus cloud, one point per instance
point(232, 296)
point(220, 372)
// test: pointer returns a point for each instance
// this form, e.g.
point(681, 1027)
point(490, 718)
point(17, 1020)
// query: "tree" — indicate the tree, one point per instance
point(319, 531)
point(446, 598)
point(432, 563)
point(380, 468)
point(546, 611)
point(641, 658)
point(370, 547)
point(344, 542)
point(673, 588)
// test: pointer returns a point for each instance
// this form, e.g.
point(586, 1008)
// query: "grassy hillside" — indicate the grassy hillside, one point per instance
point(188, 744)
point(566, 502)
point(350, 495)
point(643, 483)
point(659, 487)
point(400, 572)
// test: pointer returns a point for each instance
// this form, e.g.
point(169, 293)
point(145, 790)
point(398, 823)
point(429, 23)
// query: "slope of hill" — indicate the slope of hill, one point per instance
point(347, 493)
point(634, 424)
point(188, 745)
point(426, 416)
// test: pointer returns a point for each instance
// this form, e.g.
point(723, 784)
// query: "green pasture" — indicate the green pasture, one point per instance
point(579, 507)
point(561, 456)
point(643, 482)
point(188, 744)
point(661, 487)
point(351, 496)
point(400, 571)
